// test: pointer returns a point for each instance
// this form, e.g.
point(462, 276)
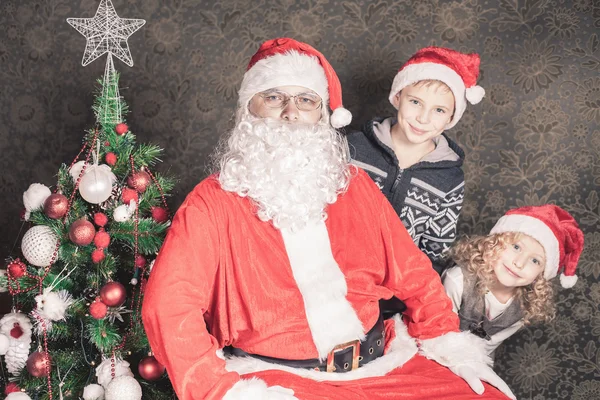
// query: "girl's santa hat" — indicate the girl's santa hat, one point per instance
point(287, 62)
point(556, 230)
point(457, 70)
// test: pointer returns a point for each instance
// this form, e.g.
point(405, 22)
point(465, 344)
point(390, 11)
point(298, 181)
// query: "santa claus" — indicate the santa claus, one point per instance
point(269, 281)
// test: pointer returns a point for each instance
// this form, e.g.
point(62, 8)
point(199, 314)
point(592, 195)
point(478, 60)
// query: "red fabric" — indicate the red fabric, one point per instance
point(418, 379)
point(283, 45)
point(221, 267)
point(465, 65)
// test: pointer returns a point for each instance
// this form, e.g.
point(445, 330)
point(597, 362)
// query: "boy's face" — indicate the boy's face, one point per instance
point(424, 111)
point(520, 263)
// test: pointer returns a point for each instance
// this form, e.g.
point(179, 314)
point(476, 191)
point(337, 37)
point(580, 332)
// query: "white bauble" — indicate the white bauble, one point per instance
point(124, 212)
point(38, 245)
point(75, 170)
point(104, 373)
point(18, 396)
point(96, 183)
point(123, 388)
point(93, 392)
point(34, 198)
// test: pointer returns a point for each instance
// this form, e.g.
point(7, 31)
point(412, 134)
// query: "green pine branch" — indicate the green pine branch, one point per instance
point(150, 234)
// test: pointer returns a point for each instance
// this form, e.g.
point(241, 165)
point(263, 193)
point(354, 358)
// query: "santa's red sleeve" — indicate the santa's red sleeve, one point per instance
point(413, 280)
point(176, 298)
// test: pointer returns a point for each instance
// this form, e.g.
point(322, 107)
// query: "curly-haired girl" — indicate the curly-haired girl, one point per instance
point(502, 281)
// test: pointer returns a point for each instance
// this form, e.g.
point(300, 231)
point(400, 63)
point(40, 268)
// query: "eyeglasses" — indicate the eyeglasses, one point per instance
point(304, 101)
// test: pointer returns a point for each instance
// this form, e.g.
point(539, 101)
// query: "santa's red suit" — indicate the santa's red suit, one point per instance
point(223, 277)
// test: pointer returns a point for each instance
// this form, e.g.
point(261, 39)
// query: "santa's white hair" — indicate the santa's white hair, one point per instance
point(291, 171)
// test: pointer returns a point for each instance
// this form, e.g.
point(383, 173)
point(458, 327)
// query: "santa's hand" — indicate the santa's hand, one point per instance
point(465, 354)
point(257, 389)
point(475, 374)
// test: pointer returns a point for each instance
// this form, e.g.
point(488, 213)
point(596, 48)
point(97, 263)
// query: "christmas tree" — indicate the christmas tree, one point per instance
point(75, 330)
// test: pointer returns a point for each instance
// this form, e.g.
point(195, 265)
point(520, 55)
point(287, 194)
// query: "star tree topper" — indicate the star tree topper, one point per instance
point(106, 33)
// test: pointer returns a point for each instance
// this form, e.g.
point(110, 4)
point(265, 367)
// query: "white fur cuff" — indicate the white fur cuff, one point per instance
point(257, 389)
point(456, 348)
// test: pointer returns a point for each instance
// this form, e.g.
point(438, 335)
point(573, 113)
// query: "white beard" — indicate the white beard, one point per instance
point(290, 171)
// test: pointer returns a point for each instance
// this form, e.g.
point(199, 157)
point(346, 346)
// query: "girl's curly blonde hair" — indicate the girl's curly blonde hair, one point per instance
point(478, 253)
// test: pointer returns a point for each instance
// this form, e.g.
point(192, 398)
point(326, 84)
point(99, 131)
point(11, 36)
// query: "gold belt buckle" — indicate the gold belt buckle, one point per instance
point(355, 344)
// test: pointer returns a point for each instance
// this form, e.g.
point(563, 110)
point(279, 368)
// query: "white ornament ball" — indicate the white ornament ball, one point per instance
point(4, 344)
point(123, 388)
point(18, 396)
point(96, 184)
point(93, 392)
point(38, 245)
point(34, 198)
point(104, 373)
point(2, 274)
point(121, 213)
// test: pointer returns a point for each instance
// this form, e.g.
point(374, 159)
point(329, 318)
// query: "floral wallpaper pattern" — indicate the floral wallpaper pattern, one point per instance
point(534, 139)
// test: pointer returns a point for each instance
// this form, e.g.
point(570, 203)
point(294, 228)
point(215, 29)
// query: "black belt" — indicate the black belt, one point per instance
point(343, 358)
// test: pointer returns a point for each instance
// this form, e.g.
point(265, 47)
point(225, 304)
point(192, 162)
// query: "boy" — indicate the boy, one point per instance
point(413, 162)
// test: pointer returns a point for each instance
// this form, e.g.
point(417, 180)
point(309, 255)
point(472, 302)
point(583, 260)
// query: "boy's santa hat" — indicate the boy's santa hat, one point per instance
point(457, 70)
point(287, 62)
point(556, 230)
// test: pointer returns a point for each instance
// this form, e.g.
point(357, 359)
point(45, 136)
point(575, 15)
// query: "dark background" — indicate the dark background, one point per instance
point(534, 139)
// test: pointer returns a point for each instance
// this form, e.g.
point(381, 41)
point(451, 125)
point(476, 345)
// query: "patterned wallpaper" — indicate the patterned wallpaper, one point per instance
point(534, 139)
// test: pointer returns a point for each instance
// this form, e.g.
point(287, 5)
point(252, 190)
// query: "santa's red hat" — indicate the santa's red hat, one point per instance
point(287, 62)
point(457, 70)
point(556, 230)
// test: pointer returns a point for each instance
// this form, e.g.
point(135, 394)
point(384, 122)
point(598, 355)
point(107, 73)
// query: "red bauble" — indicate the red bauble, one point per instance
point(100, 219)
point(82, 232)
point(150, 369)
point(128, 195)
point(140, 261)
point(110, 158)
point(98, 256)
point(102, 239)
point(98, 309)
point(11, 387)
point(159, 214)
point(16, 268)
point(121, 128)
point(38, 364)
point(113, 294)
point(56, 206)
point(139, 181)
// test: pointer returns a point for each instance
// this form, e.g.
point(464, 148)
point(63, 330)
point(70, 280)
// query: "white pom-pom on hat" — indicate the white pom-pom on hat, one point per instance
point(568, 281)
point(340, 117)
point(474, 94)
